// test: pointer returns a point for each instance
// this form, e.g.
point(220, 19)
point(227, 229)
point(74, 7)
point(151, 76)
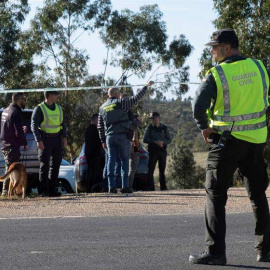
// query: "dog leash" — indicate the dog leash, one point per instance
point(24, 158)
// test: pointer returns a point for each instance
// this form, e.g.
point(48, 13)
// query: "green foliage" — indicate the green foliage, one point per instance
point(250, 19)
point(179, 49)
point(54, 32)
point(183, 173)
point(133, 32)
point(139, 42)
point(15, 62)
point(53, 35)
point(205, 62)
point(137, 39)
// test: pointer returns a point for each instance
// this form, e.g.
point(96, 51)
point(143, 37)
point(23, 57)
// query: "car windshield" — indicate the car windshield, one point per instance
point(65, 162)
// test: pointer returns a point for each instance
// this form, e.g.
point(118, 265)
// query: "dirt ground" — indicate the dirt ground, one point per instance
point(172, 202)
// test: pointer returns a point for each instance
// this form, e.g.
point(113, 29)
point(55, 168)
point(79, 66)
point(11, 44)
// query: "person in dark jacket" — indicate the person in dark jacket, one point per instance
point(157, 137)
point(94, 154)
point(13, 133)
point(49, 129)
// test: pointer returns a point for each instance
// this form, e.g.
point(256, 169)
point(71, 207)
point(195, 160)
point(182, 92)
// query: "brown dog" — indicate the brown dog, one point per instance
point(18, 179)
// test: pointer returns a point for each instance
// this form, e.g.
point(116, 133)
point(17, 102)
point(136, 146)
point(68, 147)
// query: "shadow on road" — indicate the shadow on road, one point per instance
point(236, 266)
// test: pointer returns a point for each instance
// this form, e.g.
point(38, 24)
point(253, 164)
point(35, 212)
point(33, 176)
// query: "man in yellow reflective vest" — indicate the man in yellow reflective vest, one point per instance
point(233, 97)
point(49, 129)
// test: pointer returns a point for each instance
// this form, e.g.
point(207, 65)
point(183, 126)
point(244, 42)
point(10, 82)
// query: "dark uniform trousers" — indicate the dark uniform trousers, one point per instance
point(95, 171)
point(50, 160)
point(11, 154)
point(221, 165)
point(160, 156)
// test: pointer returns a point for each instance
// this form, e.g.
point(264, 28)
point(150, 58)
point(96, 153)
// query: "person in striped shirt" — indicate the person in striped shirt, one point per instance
point(113, 125)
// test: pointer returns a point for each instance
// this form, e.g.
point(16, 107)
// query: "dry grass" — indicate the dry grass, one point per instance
point(200, 158)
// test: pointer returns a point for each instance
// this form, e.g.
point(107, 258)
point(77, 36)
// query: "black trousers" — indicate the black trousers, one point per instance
point(155, 156)
point(95, 170)
point(11, 155)
point(50, 160)
point(221, 165)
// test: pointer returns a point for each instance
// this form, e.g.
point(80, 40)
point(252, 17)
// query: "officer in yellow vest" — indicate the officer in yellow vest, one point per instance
point(233, 96)
point(49, 129)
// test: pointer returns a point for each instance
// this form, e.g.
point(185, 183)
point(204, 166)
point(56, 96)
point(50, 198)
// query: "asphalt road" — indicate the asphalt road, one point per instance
point(142, 242)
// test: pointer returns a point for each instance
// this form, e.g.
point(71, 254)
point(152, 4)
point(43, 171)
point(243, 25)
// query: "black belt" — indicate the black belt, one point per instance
point(52, 135)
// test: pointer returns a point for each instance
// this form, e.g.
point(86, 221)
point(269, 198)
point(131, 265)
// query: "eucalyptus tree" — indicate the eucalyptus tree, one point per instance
point(139, 43)
point(54, 35)
point(16, 65)
point(250, 19)
point(136, 42)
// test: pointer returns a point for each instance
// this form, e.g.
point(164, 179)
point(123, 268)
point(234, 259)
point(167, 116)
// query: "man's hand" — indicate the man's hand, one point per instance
point(206, 133)
point(24, 129)
point(160, 143)
point(64, 142)
point(104, 145)
point(26, 147)
point(150, 83)
point(40, 145)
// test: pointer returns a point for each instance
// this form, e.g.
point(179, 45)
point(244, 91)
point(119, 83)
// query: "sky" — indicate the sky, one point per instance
point(193, 18)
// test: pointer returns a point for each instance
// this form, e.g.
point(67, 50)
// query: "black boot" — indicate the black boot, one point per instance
point(126, 190)
point(263, 257)
point(206, 258)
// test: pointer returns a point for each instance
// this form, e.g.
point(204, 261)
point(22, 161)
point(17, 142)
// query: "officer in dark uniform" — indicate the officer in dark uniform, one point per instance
point(49, 129)
point(95, 155)
point(157, 137)
point(233, 96)
point(13, 133)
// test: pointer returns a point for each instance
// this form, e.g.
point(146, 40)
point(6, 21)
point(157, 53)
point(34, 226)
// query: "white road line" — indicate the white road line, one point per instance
point(135, 215)
point(53, 217)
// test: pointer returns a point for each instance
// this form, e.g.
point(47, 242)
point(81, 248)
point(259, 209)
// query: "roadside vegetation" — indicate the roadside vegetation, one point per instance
point(47, 55)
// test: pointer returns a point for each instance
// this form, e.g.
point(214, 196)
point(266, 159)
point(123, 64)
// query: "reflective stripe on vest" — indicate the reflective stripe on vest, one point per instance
point(242, 128)
point(226, 98)
point(263, 80)
point(46, 125)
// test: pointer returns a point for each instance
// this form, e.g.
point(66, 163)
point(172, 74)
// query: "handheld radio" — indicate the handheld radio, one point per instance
point(225, 136)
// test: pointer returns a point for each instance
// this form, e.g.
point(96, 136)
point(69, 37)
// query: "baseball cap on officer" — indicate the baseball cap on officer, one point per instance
point(224, 36)
point(47, 93)
point(154, 114)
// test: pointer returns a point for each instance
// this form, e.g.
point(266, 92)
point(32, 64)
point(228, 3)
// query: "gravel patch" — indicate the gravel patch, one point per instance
point(172, 202)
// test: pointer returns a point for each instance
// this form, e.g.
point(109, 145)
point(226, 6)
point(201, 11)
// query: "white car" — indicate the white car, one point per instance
point(66, 178)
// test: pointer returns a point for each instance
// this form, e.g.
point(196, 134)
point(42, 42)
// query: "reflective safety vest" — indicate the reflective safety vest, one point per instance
point(242, 97)
point(116, 120)
point(52, 119)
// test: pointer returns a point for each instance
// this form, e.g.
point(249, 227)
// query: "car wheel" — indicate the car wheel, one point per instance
point(64, 187)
